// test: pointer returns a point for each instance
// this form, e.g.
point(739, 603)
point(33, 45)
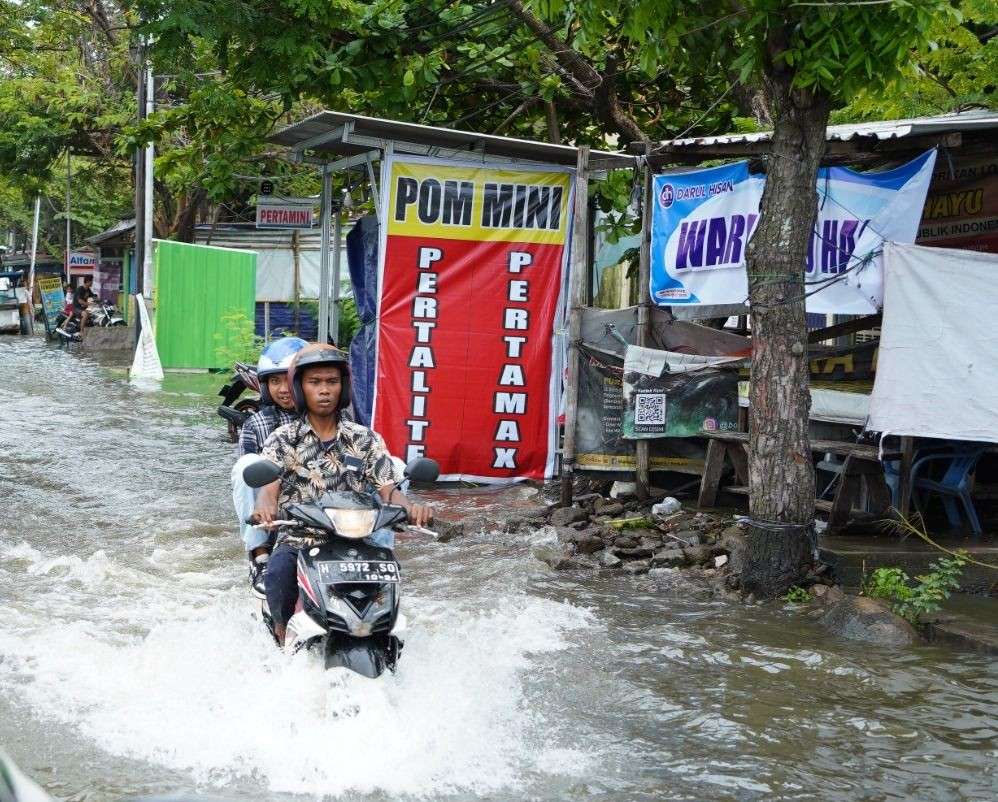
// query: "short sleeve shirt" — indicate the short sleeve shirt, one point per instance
point(356, 459)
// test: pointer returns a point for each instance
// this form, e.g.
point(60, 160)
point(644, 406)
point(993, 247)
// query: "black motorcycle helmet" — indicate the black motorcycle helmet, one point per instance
point(319, 355)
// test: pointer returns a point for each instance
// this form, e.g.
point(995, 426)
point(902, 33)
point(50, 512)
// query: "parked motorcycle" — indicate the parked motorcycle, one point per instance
point(348, 589)
point(232, 410)
point(102, 315)
point(105, 315)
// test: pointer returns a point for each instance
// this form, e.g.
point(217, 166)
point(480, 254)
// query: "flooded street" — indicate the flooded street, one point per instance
point(131, 661)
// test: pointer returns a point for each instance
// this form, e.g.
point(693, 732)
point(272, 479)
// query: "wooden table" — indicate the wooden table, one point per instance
point(860, 467)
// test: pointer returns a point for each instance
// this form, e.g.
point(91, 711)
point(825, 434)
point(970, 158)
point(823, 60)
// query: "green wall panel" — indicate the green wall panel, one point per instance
point(196, 287)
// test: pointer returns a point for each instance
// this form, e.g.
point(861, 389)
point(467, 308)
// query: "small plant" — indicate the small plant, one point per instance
point(797, 595)
point(913, 599)
point(237, 342)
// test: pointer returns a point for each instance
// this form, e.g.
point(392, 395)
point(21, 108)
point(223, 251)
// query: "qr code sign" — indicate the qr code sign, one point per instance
point(649, 409)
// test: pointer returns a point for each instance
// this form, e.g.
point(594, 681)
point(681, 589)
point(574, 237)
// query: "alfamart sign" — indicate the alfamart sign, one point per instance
point(79, 260)
point(285, 213)
point(703, 220)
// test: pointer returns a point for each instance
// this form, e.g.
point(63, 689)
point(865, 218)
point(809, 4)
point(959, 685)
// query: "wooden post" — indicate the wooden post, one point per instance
point(325, 214)
point(904, 479)
point(296, 261)
point(579, 271)
point(642, 474)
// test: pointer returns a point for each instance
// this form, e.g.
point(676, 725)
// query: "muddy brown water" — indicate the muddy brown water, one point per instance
point(131, 661)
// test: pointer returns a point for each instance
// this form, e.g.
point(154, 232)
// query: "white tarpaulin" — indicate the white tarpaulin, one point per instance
point(653, 361)
point(836, 406)
point(937, 370)
point(146, 366)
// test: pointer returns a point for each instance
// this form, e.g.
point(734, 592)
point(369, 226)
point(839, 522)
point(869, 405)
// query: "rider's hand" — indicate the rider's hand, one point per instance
point(265, 515)
point(420, 514)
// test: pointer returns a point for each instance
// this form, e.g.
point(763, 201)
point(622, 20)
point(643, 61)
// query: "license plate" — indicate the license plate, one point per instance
point(358, 571)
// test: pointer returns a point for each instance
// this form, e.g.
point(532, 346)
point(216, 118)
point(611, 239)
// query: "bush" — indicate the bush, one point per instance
point(797, 595)
point(237, 342)
point(913, 599)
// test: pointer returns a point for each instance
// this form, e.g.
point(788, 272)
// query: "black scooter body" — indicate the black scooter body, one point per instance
point(353, 593)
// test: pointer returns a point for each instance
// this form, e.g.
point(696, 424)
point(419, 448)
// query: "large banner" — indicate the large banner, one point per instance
point(600, 440)
point(473, 262)
point(668, 394)
point(962, 208)
point(703, 220)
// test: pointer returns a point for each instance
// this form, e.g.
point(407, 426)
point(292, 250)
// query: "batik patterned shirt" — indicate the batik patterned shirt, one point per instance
point(356, 459)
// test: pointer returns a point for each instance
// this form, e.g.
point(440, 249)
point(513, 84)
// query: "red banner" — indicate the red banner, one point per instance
point(474, 260)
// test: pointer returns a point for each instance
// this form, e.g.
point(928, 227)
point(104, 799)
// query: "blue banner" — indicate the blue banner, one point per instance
point(703, 220)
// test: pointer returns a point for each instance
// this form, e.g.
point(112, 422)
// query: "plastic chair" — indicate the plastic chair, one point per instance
point(952, 485)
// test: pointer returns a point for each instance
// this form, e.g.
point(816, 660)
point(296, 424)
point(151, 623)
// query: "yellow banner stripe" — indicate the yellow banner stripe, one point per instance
point(478, 203)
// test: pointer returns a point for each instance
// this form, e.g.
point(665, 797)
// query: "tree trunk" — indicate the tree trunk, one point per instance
point(781, 475)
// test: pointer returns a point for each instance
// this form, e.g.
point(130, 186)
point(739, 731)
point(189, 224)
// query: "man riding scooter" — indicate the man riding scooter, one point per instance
point(320, 452)
point(278, 408)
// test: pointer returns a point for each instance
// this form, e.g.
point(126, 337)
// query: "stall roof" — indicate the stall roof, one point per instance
point(123, 228)
point(843, 140)
point(335, 135)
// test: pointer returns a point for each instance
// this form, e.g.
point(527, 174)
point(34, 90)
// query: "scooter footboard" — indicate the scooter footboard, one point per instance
point(368, 657)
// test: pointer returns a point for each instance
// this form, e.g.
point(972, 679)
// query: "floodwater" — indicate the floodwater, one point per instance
point(131, 662)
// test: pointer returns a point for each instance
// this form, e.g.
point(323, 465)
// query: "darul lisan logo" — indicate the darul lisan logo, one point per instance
point(666, 196)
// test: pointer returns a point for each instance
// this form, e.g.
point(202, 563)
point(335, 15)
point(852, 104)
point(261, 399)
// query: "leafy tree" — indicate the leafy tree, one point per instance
point(956, 70)
point(808, 57)
point(69, 81)
point(488, 66)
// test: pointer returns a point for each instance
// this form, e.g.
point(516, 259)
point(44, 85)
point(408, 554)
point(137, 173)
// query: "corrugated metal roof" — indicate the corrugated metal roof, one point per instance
point(963, 122)
point(335, 134)
point(247, 236)
point(119, 228)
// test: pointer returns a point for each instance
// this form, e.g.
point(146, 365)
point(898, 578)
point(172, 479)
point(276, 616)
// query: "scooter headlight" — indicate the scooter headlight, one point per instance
point(356, 524)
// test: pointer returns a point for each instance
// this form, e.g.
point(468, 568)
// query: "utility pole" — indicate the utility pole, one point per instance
point(140, 195)
point(69, 224)
point(147, 206)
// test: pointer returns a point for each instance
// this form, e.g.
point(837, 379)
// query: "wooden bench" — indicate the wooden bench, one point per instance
point(861, 467)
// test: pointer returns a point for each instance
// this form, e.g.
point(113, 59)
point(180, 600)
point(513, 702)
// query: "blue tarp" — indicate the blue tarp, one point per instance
point(282, 321)
point(362, 258)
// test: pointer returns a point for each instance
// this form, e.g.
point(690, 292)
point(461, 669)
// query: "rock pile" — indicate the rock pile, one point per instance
point(601, 533)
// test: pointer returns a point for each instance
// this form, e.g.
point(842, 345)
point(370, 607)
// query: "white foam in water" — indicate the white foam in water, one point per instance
point(211, 696)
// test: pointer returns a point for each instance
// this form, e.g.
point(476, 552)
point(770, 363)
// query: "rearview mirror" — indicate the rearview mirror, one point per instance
point(261, 473)
point(422, 469)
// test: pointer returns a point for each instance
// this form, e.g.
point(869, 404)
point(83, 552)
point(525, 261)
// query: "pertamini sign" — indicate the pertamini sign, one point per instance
point(284, 213)
point(474, 259)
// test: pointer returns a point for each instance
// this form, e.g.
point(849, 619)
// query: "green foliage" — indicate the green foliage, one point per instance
point(954, 70)
point(887, 583)
point(797, 595)
point(836, 48)
point(913, 599)
point(238, 342)
point(349, 322)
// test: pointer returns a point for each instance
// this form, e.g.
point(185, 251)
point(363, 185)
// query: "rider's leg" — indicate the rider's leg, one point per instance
point(244, 500)
point(282, 587)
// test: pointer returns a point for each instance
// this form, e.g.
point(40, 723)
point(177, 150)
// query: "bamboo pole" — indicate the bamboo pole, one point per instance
point(325, 211)
point(642, 477)
point(578, 273)
point(296, 261)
